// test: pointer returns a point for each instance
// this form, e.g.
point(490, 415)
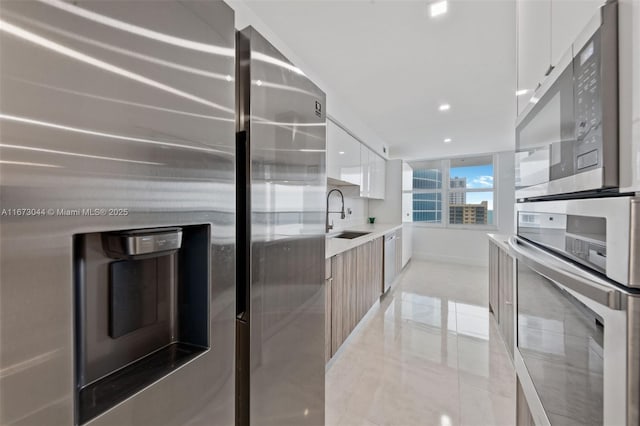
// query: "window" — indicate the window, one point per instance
point(427, 195)
point(467, 199)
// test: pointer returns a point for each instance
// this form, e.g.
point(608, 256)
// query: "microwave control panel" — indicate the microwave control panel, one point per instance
point(588, 105)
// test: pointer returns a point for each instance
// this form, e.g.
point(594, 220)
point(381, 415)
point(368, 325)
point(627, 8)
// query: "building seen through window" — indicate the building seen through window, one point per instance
point(467, 199)
point(427, 206)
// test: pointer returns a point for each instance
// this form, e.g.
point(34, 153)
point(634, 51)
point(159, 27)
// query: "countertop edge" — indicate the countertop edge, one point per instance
point(345, 245)
point(500, 240)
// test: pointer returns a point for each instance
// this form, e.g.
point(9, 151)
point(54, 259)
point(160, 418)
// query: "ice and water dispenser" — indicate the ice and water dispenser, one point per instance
point(142, 309)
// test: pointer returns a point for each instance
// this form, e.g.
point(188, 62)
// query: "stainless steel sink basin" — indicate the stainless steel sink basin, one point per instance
point(350, 235)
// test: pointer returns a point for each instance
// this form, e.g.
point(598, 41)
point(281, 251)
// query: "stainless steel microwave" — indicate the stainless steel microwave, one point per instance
point(567, 138)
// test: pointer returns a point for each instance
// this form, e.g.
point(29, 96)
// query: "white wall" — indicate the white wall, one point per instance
point(469, 246)
point(389, 210)
point(336, 107)
point(359, 207)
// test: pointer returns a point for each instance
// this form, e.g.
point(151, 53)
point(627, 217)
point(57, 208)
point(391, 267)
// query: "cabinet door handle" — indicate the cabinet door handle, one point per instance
point(551, 68)
point(508, 303)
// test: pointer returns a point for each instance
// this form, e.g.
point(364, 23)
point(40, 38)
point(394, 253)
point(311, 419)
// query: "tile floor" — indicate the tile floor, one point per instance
point(429, 354)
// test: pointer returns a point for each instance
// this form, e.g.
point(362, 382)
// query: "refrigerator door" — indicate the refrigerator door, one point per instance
point(113, 116)
point(282, 113)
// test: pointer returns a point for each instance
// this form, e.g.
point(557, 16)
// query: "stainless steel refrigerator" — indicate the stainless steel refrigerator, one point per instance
point(117, 233)
point(281, 242)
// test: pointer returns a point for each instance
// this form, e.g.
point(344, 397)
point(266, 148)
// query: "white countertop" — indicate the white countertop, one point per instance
point(338, 245)
point(501, 240)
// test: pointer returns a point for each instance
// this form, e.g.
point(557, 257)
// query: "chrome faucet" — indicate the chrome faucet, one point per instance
point(342, 215)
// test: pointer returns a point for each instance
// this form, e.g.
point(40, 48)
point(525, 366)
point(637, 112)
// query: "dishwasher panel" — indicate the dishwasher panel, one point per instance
point(389, 260)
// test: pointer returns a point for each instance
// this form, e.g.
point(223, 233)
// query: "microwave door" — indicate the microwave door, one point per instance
point(545, 138)
point(533, 167)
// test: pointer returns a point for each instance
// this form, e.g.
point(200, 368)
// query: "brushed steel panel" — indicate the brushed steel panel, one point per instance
point(111, 105)
point(327, 319)
point(283, 113)
point(621, 233)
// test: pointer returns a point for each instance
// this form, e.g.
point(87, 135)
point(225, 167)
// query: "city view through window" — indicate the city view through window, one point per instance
point(468, 199)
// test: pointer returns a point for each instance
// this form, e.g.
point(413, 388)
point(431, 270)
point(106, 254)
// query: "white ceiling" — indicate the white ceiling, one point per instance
point(395, 65)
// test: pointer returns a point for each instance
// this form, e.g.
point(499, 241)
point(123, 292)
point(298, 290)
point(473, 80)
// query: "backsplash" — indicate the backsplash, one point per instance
point(359, 207)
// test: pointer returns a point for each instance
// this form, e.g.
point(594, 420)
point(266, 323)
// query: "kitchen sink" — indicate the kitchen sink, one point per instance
point(350, 235)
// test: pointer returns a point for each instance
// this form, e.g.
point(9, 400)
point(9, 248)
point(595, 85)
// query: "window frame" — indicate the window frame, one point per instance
point(444, 165)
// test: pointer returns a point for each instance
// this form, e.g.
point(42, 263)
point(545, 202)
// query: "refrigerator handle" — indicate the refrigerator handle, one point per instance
point(243, 279)
point(243, 226)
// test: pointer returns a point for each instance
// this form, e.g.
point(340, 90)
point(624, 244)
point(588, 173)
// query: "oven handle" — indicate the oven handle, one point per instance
point(567, 275)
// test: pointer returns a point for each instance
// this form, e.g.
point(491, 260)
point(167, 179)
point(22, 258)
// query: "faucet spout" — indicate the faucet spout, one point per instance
point(342, 214)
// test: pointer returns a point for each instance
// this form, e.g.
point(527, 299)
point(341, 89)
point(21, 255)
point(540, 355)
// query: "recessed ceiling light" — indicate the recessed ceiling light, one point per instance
point(444, 107)
point(447, 140)
point(341, 152)
point(534, 100)
point(438, 8)
point(522, 92)
point(228, 78)
point(259, 82)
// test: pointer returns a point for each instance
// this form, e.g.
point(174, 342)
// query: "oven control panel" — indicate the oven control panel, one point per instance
point(588, 252)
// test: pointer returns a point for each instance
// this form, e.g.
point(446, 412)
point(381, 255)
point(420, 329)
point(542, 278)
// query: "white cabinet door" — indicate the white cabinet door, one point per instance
point(343, 155)
point(378, 176)
point(534, 46)
point(407, 207)
point(568, 18)
point(382, 176)
point(365, 171)
point(407, 243)
point(546, 29)
point(629, 54)
point(407, 195)
point(334, 140)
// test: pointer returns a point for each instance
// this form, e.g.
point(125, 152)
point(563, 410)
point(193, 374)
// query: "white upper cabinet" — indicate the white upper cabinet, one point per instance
point(534, 40)
point(568, 18)
point(377, 179)
point(629, 54)
point(352, 162)
point(365, 170)
point(373, 174)
point(407, 194)
point(343, 155)
point(546, 29)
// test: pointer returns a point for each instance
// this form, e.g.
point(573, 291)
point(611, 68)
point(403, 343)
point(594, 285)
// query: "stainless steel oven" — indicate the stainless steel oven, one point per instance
point(578, 313)
point(567, 139)
point(601, 234)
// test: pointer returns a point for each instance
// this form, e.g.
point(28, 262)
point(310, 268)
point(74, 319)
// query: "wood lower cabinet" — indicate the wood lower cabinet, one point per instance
point(363, 278)
point(398, 251)
point(328, 278)
point(506, 278)
point(494, 288)
point(377, 266)
point(501, 292)
point(355, 285)
point(343, 297)
point(523, 413)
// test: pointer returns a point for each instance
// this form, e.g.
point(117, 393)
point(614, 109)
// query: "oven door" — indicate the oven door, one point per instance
point(572, 342)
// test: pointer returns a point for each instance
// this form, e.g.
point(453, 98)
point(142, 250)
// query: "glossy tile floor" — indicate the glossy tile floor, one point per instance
point(429, 354)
